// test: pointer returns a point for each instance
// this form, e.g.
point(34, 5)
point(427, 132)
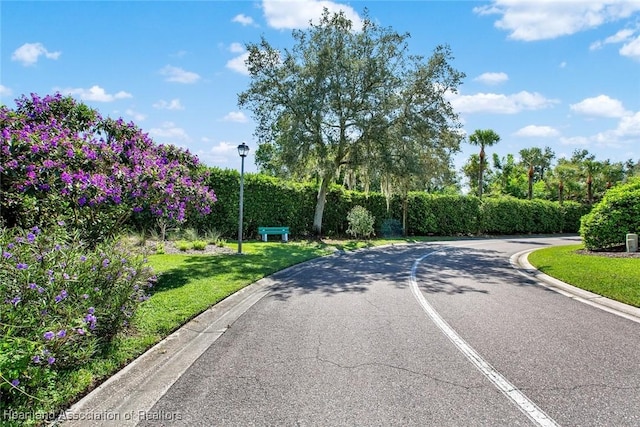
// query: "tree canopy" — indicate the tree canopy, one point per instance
point(351, 101)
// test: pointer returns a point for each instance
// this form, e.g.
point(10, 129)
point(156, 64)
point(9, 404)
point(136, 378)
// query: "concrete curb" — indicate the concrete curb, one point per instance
point(128, 396)
point(520, 262)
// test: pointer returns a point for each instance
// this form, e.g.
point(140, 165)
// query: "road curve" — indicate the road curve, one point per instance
point(441, 333)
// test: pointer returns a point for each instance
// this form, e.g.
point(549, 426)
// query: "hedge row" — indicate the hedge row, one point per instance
point(273, 202)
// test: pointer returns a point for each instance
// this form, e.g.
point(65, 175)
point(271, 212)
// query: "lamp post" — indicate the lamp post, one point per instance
point(243, 150)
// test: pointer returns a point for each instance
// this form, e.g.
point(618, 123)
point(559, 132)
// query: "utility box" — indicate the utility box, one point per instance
point(632, 242)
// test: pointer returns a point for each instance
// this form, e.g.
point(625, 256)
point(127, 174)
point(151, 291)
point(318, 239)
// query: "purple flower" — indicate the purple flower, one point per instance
point(51, 360)
point(62, 333)
point(15, 301)
point(35, 359)
point(83, 258)
point(15, 382)
point(6, 255)
point(91, 310)
point(31, 237)
point(85, 296)
point(48, 335)
point(32, 286)
point(21, 266)
point(80, 331)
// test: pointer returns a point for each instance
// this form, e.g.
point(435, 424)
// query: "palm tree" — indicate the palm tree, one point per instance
point(530, 158)
point(483, 138)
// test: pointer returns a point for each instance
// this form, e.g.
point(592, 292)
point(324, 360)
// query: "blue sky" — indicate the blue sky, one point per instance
point(562, 73)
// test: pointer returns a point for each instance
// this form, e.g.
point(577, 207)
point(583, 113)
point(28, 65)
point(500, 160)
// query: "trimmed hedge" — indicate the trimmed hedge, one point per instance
point(616, 215)
point(269, 201)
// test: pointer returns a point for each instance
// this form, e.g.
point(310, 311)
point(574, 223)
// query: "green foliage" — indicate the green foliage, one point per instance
point(199, 245)
point(275, 202)
point(342, 100)
point(616, 215)
point(60, 304)
point(439, 214)
point(360, 222)
point(183, 245)
point(507, 215)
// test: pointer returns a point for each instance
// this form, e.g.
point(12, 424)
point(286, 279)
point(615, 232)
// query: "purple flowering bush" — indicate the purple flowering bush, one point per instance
point(60, 160)
point(60, 303)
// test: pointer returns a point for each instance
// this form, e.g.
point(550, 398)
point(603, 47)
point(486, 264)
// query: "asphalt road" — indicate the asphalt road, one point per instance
point(432, 334)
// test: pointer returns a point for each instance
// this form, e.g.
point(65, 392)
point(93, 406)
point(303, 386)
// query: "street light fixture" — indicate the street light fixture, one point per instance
point(243, 150)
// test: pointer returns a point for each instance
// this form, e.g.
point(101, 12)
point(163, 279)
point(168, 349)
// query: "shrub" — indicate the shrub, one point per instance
point(183, 245)
point(59, 303)
point(199, 245)
point(360, 222)
point(610, 220)
point(62, 160)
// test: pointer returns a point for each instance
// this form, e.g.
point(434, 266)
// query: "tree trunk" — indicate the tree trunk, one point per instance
point(322, 198)
point(530, 182)
point(405, 208)
point(480, 173)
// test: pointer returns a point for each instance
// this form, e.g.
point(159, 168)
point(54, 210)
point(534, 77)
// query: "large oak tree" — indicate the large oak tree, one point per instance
point(347, 100)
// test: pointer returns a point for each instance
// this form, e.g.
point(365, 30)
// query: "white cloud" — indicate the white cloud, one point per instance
point(29, 53)
point(96, 93)
point(629, 126)
point(534, 131)
point(238, 64)
point(563, 64)
point(174, 104)
point(5, 91)
point(169, 130)
point(223, 154)
point(297, 14)
point(492, 78)
point(235, 116)
point(236, 48)
point(178, 75)
point(549, 19)
point(600, 106)
point(500, 104)
point(243, 19)
point(224, 148)
point(631, 49)
point(136, 115)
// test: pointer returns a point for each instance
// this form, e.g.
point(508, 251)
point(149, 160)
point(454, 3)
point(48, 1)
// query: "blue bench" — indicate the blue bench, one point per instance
point(265, 231)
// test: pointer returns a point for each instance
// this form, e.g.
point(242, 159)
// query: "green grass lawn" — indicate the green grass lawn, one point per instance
point(615, 278)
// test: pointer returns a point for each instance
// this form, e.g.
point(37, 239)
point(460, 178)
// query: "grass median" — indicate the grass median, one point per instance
point(615, 278)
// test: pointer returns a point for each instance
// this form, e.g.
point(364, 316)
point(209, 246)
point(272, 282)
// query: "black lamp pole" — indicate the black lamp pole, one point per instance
point(243, 150)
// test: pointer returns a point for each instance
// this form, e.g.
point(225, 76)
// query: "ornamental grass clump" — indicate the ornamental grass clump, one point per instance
point(60, 303)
